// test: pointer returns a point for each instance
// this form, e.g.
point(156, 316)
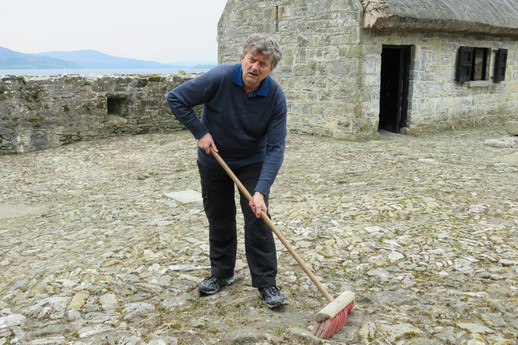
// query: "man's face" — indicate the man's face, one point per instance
point(255, 67)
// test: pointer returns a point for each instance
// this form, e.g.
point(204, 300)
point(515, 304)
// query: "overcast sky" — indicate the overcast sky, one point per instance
point(157, 30)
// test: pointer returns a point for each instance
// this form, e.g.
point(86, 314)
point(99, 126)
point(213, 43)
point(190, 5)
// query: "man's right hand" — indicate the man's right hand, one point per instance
point(206, 142)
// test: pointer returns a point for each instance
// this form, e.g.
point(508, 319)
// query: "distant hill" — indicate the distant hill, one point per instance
point(10, 59)
point(79, 59)
point(95, 59)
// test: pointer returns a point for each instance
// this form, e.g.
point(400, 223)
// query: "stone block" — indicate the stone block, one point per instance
point(511, 127)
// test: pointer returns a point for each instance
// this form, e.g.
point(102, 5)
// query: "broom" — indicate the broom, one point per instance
point(332, 317)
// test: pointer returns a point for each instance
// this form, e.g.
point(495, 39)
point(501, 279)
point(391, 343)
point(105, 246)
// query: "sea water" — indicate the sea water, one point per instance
point(98, 71)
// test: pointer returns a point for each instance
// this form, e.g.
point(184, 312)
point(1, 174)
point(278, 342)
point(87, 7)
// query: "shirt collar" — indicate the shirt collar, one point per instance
point(263, 89)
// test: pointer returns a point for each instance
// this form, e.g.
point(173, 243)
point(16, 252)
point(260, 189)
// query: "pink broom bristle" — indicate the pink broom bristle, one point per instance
point(326, 328)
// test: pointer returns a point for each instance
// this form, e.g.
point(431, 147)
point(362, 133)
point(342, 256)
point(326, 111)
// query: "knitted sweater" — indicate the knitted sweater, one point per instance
point(247, 129)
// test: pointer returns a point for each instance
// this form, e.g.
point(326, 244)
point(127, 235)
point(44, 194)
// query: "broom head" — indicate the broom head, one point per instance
point(334, 316)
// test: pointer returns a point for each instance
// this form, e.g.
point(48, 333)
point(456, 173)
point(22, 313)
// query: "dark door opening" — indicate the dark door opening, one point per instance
point(395, 67)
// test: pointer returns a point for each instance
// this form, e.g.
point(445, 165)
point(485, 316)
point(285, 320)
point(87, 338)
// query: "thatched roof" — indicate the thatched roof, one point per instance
point(475, 16)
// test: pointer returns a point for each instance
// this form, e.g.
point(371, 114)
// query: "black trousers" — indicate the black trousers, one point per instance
point(220, 208)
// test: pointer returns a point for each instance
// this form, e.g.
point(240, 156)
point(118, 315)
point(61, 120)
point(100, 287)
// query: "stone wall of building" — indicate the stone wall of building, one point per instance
point(38, 113)
point(322, 57)
point(436, 101)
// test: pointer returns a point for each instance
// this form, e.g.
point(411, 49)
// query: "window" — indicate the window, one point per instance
point(464, 63)
point(500, 65)
point(472, 64)
point(479, 71)
point(117, 105)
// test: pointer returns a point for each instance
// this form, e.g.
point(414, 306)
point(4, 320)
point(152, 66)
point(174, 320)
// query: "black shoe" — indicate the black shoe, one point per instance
point(211, 285)
point(272, 297)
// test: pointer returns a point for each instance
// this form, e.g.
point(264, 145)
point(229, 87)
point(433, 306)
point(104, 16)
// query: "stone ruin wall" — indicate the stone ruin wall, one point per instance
point(39, 113)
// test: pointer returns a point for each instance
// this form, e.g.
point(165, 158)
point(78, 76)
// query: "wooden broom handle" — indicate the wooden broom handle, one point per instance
point(272, 226)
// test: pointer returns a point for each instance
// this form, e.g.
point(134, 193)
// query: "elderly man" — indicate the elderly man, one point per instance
point(244, 120)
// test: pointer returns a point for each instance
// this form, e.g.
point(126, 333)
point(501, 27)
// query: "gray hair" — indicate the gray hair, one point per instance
point(259, 43)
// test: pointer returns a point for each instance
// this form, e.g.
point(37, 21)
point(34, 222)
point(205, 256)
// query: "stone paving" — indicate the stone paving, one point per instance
point(104, 242)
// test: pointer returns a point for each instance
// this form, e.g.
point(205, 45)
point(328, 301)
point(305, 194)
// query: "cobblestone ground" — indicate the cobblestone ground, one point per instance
point(95, 248)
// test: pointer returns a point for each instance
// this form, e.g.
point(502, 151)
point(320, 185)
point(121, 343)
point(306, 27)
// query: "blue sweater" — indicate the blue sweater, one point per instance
point(247, 129)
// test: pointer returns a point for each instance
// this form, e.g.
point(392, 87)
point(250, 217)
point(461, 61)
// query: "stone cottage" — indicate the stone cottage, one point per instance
point(353, 67)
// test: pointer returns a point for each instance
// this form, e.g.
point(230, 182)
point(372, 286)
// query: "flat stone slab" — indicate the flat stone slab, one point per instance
point(11, 210)
point(185, 196)
point(511, 127)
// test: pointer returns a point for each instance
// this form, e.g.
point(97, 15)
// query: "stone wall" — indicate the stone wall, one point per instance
point(436, 101)
point(322, 54)
point(38, 113)
point(331, 68)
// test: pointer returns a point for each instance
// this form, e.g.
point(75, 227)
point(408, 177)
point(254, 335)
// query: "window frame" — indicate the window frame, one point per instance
point(500, 65)
point(479, 70)
point(472, 64)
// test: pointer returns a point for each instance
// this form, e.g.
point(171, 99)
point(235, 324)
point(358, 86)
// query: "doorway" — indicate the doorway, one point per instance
point(395, 71)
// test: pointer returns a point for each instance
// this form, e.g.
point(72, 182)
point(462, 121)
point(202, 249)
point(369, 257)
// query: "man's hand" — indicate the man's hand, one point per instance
point(206, 142)
point(257, 204)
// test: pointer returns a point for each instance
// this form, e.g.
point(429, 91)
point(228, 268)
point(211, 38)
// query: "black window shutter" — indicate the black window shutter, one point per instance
point(464, 64)
point(500, 65)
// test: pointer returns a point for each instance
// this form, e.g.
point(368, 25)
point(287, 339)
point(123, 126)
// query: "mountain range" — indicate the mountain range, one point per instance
point(79, 59)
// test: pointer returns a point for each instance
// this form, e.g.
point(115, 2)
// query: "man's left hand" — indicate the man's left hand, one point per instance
point(257, 204)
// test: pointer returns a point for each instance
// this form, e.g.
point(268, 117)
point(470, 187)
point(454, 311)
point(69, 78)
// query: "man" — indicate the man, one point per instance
point(244, 120)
